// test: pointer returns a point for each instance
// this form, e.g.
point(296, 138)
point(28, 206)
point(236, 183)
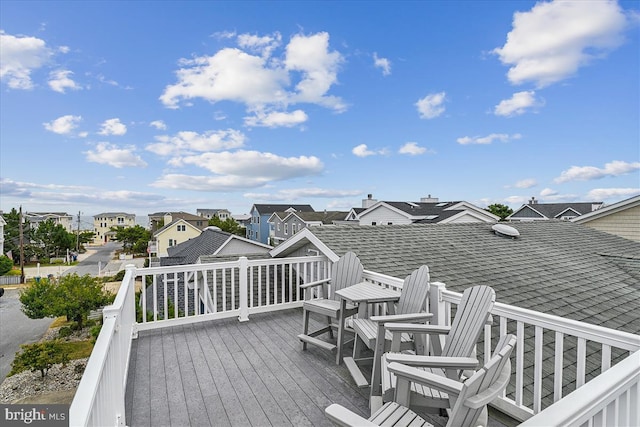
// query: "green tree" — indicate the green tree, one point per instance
point(53, 238)
point(229, 225)
point(72, 296)
point(12, 236)
point(6, 264)
point(134, 239)
point(502, 211)
point(85, 237)
point(38, 357)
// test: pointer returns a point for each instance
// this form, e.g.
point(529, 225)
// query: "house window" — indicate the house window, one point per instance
point(286, 229)
point(373, 223)
point(171, 242)
point(278, 224)
point(120, 220)
point(182, 227)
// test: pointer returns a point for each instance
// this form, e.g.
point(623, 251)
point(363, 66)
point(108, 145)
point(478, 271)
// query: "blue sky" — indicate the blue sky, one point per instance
point(151, 106)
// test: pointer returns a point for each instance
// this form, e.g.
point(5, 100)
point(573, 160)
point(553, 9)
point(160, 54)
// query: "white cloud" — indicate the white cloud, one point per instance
point(431, 106)
point(547, 192)
point(517, 105)
point(301, 193)
point(233, 74)
point(276, 119)
point(587, 173)
point(412, 148)
point(263, 45)
point(112, 155)
point(551, 41)
point(239, 170)
point(526, 183)
point(63, 125)
point(19, 57)
point(158, 124)
point(188, 142)
point(489, 139)
point(363, 151)
point(113, 127)
point(60, 81)
point(600, 194)
point(382, 63)
point(255, 163)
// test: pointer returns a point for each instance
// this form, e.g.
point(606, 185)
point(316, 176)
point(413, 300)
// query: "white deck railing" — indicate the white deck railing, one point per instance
point(243, 287)
point(545, 344)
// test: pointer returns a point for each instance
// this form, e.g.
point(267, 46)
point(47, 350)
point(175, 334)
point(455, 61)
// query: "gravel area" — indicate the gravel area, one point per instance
point(60, 378)
point(30, 384)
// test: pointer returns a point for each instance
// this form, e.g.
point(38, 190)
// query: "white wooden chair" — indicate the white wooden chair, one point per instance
point(470, 397)
point(449, 361)
point(370, 332)
point(345, 272)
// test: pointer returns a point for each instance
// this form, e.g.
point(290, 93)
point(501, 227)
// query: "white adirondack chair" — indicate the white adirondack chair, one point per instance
point(449, 361)
point(370, 332)
point(470, 397)
point(345, 272)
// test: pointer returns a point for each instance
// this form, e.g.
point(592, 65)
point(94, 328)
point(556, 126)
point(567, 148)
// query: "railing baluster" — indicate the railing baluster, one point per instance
point(581, 362)
point(537, 375)
point(519, 362)
point(558, 366)
point(606, 357)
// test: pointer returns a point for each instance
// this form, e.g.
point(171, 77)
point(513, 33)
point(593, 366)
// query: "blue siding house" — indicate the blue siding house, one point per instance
point(258, 228)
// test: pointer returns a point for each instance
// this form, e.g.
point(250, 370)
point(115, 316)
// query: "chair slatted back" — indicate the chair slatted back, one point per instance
point(484, 386)
point(414, 292)
point(471, 315)
point(345, 272)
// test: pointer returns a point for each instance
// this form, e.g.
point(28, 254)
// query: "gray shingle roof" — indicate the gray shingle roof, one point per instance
point(188, 252)
point(552, 210)
point(269, 209)
point(555, 267)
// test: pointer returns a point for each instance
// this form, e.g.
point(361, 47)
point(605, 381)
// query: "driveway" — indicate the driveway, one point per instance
point(15, 329)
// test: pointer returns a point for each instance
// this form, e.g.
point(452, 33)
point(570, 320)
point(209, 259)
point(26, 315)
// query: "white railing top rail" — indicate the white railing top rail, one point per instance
point(600, 334)
point(224, 264)
point(85, 396)
point(582, 405)
point(382, 278)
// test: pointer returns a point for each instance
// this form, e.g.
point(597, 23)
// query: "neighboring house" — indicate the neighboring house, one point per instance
point(2, 224)
point(223, 214)
point(243, 219)
point(621, 219)
point(160, 219)
point(555, 267)
point(534, 211)
point(58, 218)
point(211, 242)
point(426, 211)
point(175, 232)
point(258, 229)
point(286, 224)
point(103, 222)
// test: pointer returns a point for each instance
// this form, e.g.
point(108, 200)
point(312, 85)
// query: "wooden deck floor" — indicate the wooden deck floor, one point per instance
point(240, 374)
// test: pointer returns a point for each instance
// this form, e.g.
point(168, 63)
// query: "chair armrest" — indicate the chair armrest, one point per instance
point(344, 417)
point(417, 328)
point(424, 378)
point(313, 284)
point(401, 317)
point(433, 361)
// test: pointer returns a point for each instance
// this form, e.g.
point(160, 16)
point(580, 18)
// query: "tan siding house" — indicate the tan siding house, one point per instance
point(176, 232)
point(621, 219)
point(103, 222)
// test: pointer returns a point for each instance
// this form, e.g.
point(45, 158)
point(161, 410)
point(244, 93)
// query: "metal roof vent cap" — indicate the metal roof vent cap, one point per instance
point(505, 231)
point(213, 228)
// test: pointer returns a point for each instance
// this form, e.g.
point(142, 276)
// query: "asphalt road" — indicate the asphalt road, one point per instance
point(15, 329)
point(96, 261)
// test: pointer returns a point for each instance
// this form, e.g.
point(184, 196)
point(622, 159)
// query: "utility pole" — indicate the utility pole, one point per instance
point(21, 246)
point(78, 235)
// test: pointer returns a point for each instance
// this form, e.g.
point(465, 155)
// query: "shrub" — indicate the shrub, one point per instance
point(64, 332)
point(39, 357)
point(6, 264)
point(73, 296)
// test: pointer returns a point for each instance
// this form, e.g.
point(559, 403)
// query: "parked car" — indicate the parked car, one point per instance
point(1, 291)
